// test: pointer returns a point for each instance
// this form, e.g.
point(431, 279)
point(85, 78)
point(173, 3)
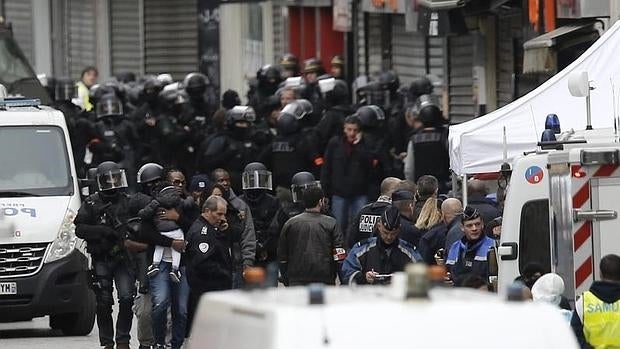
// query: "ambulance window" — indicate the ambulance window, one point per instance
point(534, 236)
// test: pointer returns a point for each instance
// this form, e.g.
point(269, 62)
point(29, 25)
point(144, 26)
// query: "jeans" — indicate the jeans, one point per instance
point(110, 273)
point(167, 294)
point(142, 307)
point(345, 208)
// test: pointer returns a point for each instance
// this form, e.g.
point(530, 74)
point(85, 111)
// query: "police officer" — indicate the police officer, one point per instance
point(257, 183)
point(290, 65)
point(202, 99)
point(116, 137)
point(373, 261)
point(268, 79)
point(176, 147)
point(372, 120)
point(101, 223)
point(294, 148)
point(209, 262)
point(313, 69)
point(336, 101)
point(338, 67)
point(363, 225)
point(469, 255)
point(427, 152)
point(232, 148)
point(597, 312)
point(292, 201)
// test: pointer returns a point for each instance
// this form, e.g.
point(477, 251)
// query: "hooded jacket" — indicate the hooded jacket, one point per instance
point(608, 292)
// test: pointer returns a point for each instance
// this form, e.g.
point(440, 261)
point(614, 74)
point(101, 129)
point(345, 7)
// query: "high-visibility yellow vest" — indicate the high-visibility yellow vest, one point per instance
point(601, 322)
point(83, 92)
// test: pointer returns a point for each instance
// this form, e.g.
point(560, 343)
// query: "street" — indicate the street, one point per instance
point(35, 333)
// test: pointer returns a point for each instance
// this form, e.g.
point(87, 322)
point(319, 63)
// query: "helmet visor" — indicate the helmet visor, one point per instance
point(109, 107)
point(298, 190)
point(257, 179)
point(114, 179)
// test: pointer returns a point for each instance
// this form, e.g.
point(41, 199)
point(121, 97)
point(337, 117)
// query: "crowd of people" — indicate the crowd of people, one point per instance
point(187, 193)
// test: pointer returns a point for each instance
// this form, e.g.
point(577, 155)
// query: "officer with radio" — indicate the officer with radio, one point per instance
point(102, 223)
point(373, 261)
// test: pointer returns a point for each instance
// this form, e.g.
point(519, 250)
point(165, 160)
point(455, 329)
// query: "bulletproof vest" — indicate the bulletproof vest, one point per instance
point(263, 211)
point(369, 216)
point(287, 158)
point(431, 154)
point(113, 215)
point(113, 139)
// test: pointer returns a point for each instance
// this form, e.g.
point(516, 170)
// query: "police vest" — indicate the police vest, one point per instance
point(601, 322)
point(431, 154)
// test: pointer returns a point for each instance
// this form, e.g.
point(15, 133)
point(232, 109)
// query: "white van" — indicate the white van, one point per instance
point(43, 265)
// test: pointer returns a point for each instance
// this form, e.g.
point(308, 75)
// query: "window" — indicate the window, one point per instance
point(34, 162)
point(534, 235)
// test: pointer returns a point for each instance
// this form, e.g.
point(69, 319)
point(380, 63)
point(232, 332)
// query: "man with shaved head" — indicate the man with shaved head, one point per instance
point(435, 239)
point(362, 226)
point(476, 198)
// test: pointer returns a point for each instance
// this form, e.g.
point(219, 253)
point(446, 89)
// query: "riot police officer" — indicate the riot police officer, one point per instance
point(268, 78)
point(101, 222)
point(116, 137)
point(372, 120)
point(175, 144)
point(427, 152)
point(336, 101)
point(202, 99)
point(290, 65)
point(294, 148)
point(232, 148)
point(313, 69)
point(145, 118)
point(257, 183)
point(338, 67)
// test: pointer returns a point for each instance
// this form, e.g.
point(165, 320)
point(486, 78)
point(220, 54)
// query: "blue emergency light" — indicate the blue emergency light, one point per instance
point(548, 135)
point(14, 102)
point(553, 123)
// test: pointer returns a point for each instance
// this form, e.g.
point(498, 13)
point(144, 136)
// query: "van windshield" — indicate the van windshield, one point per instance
point(34, 162)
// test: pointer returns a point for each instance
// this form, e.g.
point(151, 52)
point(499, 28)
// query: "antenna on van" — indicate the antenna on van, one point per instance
point(614, 106)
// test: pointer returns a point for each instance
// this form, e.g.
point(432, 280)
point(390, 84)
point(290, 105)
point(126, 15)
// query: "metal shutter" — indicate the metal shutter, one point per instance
point(82, 36)
point(126, 36)
point(170, 37)
point(437, 62)
point(460, 78)
point(374, 43)
point(507, 27)
point(19, 14)
point(360, 44)
point(280, 37)
point(408, 52)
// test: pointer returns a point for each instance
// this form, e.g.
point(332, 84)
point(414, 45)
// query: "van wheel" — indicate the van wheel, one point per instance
point(80, 324)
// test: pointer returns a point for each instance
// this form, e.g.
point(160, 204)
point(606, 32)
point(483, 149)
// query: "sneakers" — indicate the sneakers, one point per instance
point(152, 270)
point(175, 276)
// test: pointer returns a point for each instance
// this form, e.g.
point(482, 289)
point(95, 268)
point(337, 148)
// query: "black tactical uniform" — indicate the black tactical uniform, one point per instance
point(363, 225)
point(101, 222)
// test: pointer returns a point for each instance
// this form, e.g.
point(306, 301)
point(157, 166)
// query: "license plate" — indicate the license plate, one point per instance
point(8, 288)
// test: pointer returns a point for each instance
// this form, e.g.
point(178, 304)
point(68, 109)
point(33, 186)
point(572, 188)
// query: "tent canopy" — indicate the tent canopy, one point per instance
point(476, 145)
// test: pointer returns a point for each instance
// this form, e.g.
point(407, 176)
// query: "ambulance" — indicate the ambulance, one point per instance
point(43, 265)
point(561, 209)
point(370, 317)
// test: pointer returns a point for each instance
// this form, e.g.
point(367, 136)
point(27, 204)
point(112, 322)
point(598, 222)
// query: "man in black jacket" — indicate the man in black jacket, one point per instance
point(311, 247)
point(101, 222)
point(476, 198)
point(209, 262)
point(347, 171)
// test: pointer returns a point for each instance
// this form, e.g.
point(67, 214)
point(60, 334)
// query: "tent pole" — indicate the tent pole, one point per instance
point(464, 186)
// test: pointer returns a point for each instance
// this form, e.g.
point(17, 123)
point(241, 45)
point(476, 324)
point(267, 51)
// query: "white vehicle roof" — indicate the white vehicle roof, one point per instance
point(373, 317)
point(19, 116)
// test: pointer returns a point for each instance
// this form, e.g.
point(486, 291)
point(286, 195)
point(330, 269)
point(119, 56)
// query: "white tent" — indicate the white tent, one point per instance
point(476, 145)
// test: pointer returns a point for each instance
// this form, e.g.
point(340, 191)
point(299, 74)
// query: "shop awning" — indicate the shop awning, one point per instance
point(540, 54)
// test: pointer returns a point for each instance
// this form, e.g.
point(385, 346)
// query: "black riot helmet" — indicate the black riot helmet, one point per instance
point(334, 91)
point(290, 65)
point(97, 91)
point(421, 86)
point(152, 88)
point(109, 106)
point(299, 108)
point(195, 84)
point(125, 77)
point(287, 124)
point(240, 114)
point(370, 116)
point(110, 178)
point(256, 177)
point(150, 172)
point(300, 182)
point(389, 81)
point(429, 113)
point(269, 77)
point(64, 89)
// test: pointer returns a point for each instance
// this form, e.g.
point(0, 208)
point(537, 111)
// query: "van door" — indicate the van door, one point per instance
point(605, 200)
